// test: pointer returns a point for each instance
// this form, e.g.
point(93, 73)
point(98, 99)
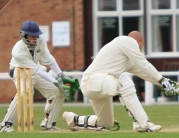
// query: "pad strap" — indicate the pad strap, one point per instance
point(86, 121)
point(85, 125)
point(96, 124)
point(76, 119)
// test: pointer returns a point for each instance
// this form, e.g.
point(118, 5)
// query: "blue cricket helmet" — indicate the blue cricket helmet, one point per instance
point(30, 28)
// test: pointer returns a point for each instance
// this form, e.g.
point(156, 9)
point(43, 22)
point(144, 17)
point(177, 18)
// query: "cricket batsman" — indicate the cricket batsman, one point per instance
point(107, 76)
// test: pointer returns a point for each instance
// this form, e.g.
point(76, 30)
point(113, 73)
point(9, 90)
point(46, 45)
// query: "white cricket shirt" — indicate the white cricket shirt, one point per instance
point(120, 55)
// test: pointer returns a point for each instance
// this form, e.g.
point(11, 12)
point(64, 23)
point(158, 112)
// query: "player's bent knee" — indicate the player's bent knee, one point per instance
point(127, 86)
point(90, 122)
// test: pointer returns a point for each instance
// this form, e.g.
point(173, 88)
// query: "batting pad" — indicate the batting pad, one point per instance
point(123, 104)
point(76, 122)
point(130, 99)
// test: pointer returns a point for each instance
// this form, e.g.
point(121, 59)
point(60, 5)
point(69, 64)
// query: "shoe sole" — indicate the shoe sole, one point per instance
point(148, 130)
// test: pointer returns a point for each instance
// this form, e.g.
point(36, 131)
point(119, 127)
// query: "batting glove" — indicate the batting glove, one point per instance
point(170, 87)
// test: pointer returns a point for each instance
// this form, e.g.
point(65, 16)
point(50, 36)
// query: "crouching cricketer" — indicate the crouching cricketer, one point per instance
point(107, 76)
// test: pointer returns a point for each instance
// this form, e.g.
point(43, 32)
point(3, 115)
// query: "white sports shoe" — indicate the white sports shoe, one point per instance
point(54, 128)
point(151, 127)
point(7, 128)
point(44, 125)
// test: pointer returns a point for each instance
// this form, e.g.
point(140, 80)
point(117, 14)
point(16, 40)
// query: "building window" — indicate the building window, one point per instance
point(132, 23)
point(107, 5)
point(113, 18)
point(162, 33)
point(177, 4)
point(131, 5)
point(161, 4)
point(158, 22)
point(162, 28)
point(177, 31)
point(108, 29)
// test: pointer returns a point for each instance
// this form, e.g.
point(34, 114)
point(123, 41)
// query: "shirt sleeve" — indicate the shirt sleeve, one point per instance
point(131, 49)
point(47, 76)
point(54, 66)
point(134, 70)
point(46, 58)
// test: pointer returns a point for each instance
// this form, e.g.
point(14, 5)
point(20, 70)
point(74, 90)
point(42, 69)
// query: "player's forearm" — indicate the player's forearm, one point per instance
point(46, 76)
point(54, 66)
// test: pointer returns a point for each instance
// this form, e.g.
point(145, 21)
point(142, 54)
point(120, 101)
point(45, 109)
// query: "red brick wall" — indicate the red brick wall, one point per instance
point(44, 12)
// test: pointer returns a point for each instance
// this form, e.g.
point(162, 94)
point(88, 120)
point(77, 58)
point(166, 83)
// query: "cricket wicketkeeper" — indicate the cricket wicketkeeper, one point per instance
point(32, 52)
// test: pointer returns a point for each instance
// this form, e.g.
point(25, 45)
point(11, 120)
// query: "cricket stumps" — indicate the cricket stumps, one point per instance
point(25, 99)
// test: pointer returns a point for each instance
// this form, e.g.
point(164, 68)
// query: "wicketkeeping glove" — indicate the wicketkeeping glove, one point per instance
point(69, 82)
point(60, 78)
point(73, 83)
point(170, 87)
point(65, 89)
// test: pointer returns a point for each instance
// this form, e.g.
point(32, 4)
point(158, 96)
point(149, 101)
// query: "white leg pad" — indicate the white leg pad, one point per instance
point(79, 123)
point(122, 102)
point(130, 99)
point(48, 106)
point(11, 114)
point(54, 109)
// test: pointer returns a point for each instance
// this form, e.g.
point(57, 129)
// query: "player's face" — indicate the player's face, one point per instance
point(32, 40)
point(141, 43)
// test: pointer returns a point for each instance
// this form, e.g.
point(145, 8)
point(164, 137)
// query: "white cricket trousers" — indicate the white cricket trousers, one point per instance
point(100, 89)
point(47, 89)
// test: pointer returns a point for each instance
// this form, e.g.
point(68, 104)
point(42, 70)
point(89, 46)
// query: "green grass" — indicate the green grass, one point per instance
point(165, 115)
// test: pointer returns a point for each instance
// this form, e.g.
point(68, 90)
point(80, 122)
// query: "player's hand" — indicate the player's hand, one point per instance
point(74, 83)
point(67, 92)
point(68, 86)
point(59, 83)
point(62, 76)
point(65, 89)
point(170, 87)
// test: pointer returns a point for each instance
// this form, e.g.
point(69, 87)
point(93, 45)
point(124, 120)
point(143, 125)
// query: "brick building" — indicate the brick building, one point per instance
point(44, 12)
point(93, 23)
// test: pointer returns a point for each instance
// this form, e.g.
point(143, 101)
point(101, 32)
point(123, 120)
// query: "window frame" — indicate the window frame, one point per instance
point(149, 12)
point(173, 11)
point(118, 13)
